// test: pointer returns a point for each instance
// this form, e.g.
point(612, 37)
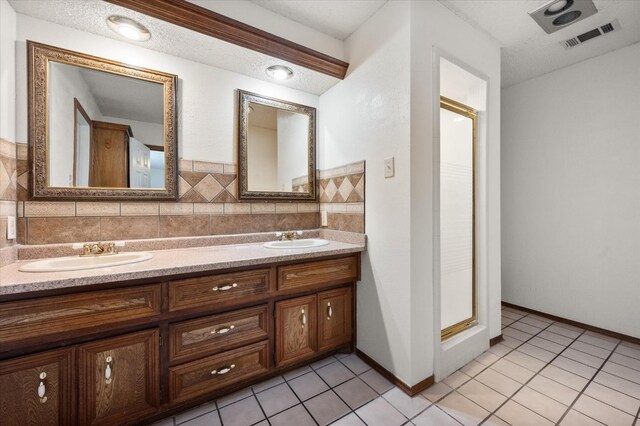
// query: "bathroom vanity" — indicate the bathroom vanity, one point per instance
point(90, 348)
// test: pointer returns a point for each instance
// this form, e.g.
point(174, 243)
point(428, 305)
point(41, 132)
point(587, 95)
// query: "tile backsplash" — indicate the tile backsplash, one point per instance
point(207, 205)
point(8, 197)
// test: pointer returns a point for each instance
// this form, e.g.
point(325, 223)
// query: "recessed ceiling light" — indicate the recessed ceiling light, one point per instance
point(128, 28)
point(567, 18)
point(557, 7)
point(279, 72)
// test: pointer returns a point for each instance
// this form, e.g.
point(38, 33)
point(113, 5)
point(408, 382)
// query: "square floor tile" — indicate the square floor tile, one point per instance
point(297, 372)
point(297, 416)
point(574, 366)
point(335, 373)
point(563, 330)
point(511, 342)
point(516, 334)
point(269, 383)
point(208, 419)
point(277, 399)
point(456, 379)
point(526, 361)
point(380, 413)
point(436, 391)
point(487, 358)
point(195, 412)
point(500, 349)
point(536, 352)
point(242, 413)
point(536, 321)
point(164, 422)
point(308, 386)
point(407, 405)
point(482, 395)
point(527, 328)
point(376, 381)
point(564, 377)
point(627, 350)
point(584, 358)
point(498, 382)
point(515, 414)
point(513, 371)
point(434, 416)
point(602, 412)
point(234, 397)
point(472, 368)
point(553, 389)
point(541, 404)
point(511, 315)
point(627, 361)
point(555, 337)
point(547, 345)
point(355, 393)
point(622, 371)
point(462, 409)
point(600, 340)
point(350, 420)
point(613, 397)
point(590, 349)
point(326, 407)
point(323, 362)
point(355, 364)
point(576, 418)
point(618, 383)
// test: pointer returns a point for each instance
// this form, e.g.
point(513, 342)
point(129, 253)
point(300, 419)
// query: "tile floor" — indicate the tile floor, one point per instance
point(543, 373)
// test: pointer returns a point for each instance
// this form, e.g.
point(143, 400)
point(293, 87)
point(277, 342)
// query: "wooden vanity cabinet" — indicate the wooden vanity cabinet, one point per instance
point(38, 389)
point(119, 378)
point(335, 312)
point(296, 330)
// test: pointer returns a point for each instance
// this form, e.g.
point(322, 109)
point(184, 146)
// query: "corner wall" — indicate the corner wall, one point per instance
point(571, 192)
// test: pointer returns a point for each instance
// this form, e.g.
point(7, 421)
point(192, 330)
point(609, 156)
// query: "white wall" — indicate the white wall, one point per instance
point(293, 157)
point(7, 72)
point(65, 84)
point(207, 97)
point(262, 158)
point(571, 192)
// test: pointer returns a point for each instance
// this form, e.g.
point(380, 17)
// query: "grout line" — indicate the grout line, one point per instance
point(298, 398)
point(255, 396)
point(587, 385)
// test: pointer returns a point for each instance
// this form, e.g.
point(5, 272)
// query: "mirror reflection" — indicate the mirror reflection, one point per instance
point(277, 149)
point(105, 130)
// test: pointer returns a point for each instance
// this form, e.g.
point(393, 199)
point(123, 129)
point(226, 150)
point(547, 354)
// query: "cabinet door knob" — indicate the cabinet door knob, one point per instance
point(42, 389)
point(225, 287)
point(223, 370)
point(223, 330)
point(329, 310)
point(108, 371)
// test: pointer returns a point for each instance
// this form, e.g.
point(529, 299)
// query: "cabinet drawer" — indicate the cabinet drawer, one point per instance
point(217, 333)
point(75, 312)
point(220, 289)
point(209, 374)
point(309, 274)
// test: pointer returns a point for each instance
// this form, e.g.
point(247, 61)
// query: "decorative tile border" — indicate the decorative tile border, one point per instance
point(8, 198)
point(342, 196)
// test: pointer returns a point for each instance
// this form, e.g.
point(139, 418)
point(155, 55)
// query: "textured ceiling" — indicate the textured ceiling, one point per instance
point(339, 19)
point(527, 51)
point(90, 16)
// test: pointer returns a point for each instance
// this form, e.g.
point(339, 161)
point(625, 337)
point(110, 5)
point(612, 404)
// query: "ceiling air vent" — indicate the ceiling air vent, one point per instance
point(596, 32)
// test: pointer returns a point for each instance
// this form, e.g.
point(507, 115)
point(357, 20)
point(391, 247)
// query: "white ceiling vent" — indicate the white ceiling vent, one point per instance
point(589, 35)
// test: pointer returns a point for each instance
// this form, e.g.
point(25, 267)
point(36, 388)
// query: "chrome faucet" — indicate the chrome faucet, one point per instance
point(288, 235)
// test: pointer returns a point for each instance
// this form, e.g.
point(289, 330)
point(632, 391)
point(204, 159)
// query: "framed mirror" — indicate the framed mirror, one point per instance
point(100, 129)
point(277, 149)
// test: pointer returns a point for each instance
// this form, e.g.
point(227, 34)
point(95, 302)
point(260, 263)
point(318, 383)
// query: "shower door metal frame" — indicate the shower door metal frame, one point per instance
point(468, 112)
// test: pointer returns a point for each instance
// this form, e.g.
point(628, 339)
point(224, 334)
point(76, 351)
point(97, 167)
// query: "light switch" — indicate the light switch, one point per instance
point(389, 168)
point(11, 228)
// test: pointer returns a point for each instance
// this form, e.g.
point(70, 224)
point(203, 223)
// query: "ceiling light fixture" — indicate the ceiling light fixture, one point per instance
point(555, 15)
point(128, 28)
point(279, 72)
point(567, 18)
point(558, 7)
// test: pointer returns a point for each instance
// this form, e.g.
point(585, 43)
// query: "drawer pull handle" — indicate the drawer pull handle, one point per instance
point(108, 371)
point(304, 318)
point(225, 287)
point(329, 311)
point(42, 389)
point(223, 370)
point(224, 330)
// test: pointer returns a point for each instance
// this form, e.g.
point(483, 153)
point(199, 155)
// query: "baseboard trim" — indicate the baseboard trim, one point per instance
point(595, 329)
point(409, 390)
point(496, 340)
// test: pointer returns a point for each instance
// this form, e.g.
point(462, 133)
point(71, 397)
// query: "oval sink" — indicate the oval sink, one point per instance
point(76, 263)
point(296, 244)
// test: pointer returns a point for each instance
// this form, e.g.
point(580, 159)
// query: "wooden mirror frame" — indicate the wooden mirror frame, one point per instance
point(38, 58)
point(244, 193)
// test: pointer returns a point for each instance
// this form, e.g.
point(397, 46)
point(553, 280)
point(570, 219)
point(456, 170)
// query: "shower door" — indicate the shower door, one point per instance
point(457, 217)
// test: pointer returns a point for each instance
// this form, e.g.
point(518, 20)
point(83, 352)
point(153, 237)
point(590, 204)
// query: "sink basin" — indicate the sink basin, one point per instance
point(296, 244)
point(76, 263)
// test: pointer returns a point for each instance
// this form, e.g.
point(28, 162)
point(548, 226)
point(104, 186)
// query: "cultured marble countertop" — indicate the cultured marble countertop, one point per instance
point(163, 263)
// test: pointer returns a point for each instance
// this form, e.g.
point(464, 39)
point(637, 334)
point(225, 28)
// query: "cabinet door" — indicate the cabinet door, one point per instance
point(334, 318)
point(119, 378)
point(38, 389)
point(296, 329)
